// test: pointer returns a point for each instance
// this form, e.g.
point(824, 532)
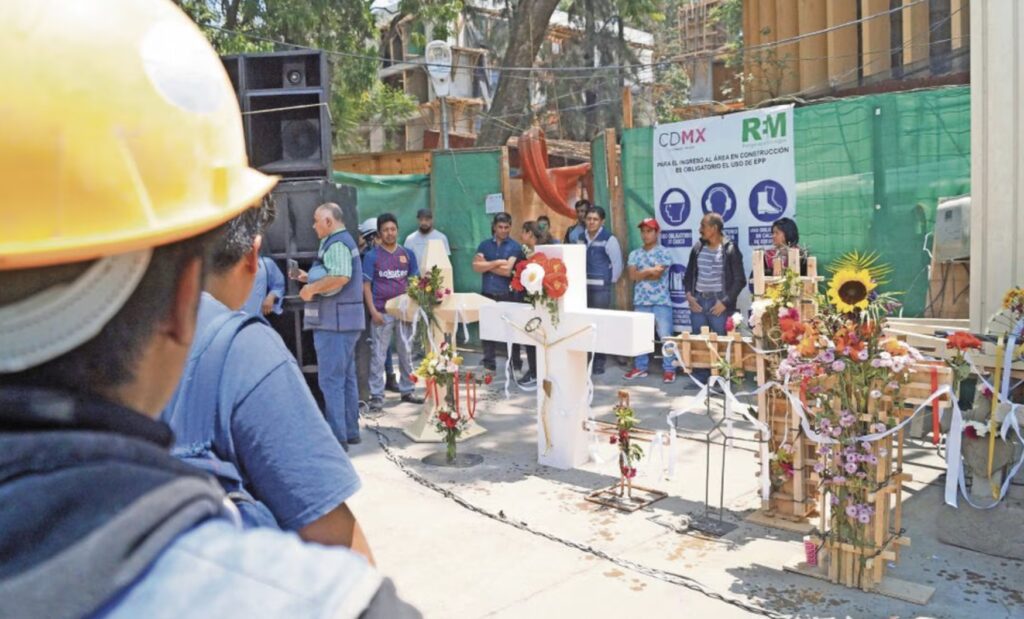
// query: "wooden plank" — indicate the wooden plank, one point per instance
point(617, 210)
point(889, 586)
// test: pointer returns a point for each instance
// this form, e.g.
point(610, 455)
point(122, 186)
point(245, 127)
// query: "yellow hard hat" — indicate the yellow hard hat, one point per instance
point(119, 131)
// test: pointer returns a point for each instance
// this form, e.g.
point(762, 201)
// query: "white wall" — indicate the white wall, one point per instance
point(997, 153)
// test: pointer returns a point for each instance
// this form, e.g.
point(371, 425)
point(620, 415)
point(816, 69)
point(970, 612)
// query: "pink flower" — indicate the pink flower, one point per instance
point(864, 518)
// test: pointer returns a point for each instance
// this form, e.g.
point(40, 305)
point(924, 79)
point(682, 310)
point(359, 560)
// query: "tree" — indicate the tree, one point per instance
point(510, 106)
point(341, 26)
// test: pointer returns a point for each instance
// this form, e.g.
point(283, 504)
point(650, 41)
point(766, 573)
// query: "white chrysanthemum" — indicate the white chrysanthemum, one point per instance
point(532, 278)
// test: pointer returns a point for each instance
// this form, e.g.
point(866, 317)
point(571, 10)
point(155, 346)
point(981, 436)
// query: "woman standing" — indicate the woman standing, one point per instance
point(785, 236)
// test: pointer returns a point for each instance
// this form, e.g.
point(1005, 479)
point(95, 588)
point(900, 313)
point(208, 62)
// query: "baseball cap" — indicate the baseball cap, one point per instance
point(651, 223)
point(424, 213)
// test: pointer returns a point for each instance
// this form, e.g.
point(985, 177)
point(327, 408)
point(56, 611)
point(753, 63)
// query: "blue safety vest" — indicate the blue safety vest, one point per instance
point(599, 265)
point(200, 414)
point(343, 311)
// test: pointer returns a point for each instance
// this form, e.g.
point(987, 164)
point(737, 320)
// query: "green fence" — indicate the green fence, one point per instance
point(462, 180)
point(399, 194)
point(869, 172)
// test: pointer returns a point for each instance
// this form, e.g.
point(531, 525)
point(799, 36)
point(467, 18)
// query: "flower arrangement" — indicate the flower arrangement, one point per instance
point(457, 406)
point(428, 291)
point(849, 371)
point(781, 466)
point(542, 280)
point(961, 343)
point(629, 452)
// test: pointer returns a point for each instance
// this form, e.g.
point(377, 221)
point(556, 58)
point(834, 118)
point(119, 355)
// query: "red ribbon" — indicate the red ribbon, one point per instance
point(935, 406)
point(803, 390)
point(471, 396)
point(455, 386)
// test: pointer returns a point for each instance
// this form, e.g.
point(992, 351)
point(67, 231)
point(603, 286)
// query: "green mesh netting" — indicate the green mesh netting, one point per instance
point(462, 180)
point(399, 194)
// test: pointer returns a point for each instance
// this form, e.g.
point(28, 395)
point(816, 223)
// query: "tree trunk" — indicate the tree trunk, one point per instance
point(512, 97)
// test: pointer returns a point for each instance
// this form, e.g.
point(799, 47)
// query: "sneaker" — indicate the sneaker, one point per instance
point(668, 377)
point(529, 379)
point(635, 373)
point(355, 441)
point(376, 404)
point(391, 385)
point(412, 398)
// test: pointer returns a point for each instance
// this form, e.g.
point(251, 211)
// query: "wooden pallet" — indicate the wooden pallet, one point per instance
point(797, 500)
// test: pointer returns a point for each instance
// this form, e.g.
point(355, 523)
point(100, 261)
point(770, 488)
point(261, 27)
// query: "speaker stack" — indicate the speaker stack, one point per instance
point(284, 97)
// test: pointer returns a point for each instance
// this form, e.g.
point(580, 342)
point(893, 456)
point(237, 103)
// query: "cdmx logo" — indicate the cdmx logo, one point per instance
point(684, 137)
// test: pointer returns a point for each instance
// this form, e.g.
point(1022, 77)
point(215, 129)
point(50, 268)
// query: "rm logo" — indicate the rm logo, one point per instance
point(770, 127)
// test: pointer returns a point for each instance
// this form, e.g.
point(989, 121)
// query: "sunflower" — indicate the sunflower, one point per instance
point(849, 288)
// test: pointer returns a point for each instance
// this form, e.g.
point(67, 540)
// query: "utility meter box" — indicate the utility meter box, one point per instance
point(953, 229)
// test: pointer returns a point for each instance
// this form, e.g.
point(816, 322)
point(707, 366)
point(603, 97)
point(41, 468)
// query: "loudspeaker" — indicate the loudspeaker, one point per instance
point(292, 235)
point(294, 74)
point(284, 97)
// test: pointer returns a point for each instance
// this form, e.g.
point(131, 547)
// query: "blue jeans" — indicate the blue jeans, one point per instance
point(336, 360)
point(599, 297)
point(663, 327)
point(716, 324)
point(381, 337)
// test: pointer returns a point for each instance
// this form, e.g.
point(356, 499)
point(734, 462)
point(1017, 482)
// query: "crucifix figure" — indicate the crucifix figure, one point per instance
point(456, 308)
point(564, 389)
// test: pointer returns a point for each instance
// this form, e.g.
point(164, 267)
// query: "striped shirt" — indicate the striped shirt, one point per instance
point(338, 259)
point(709, 269)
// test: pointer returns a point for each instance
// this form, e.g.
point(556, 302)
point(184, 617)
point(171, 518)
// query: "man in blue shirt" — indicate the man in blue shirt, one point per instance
point(604, 267)
point(574, 234)
point(386, 271)
point(267, 293)
point(495, 259)
point(648, 266)
point(259, 419)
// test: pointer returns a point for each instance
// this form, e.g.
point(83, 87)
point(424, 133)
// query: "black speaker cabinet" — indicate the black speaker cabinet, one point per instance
point(284, 98)
point(291, 236)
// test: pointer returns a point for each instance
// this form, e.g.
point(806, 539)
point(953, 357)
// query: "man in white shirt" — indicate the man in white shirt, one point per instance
point(418, 240)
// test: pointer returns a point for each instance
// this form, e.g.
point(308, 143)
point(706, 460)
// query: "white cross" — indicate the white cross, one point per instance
point(456, 308)
point(561, 439)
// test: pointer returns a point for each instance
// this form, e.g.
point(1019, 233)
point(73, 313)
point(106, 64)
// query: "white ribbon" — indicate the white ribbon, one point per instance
point(460, 318)
point(740, 409)
point(657, 445)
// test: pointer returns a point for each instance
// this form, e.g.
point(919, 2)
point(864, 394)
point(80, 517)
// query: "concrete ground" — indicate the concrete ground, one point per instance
point(453, 561)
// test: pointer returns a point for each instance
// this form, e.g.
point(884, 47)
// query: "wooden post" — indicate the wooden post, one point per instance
point(627, 108)
point(617, 197)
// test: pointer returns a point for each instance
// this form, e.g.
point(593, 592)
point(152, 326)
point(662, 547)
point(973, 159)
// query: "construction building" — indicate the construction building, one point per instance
point(810, 48)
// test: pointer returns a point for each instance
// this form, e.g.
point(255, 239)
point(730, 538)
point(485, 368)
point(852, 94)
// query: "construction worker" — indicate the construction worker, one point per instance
point(267, 294)
point(122, 156)
point(244, 412)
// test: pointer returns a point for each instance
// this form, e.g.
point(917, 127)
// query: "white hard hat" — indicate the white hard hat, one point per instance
point(368, 226)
